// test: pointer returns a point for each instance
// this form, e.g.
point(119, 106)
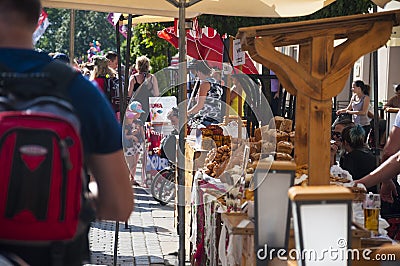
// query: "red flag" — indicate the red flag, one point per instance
point(42, 25)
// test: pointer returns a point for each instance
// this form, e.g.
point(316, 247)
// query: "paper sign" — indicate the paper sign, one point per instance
point(160, 106)
point(238, 54)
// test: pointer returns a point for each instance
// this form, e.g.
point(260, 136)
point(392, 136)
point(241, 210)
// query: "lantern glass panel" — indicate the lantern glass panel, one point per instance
point(325, 227)
point(272, 208)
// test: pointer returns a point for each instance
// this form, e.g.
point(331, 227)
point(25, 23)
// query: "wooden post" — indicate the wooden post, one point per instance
point(72, 37)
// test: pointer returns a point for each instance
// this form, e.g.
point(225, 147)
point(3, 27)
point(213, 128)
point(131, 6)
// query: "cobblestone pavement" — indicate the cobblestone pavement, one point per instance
point(149, 239)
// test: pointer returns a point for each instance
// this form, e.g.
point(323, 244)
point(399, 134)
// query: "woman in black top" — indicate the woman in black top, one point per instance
point(358, 160)
point(149, 88)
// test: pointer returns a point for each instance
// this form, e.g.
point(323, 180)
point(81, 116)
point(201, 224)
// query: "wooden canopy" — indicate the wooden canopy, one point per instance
point(319, 74)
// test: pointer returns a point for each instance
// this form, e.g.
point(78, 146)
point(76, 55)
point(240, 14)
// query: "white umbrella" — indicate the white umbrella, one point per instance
point(381, 3)
point(168, 8)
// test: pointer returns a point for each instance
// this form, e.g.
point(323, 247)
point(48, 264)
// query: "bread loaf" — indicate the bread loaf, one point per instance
point(284, 146)
point(276, 122)
point(267, 147)
point(281, 156)
point(286, 125)
point(281, 136)
point(292, 136)
point(257, 134)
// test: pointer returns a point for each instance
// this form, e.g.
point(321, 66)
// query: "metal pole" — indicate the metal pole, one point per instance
point(118, 40)
point(116, 233)
point(116, 243)
point(122, 96)
point(126, 83)
point(182, 133)
point(128, 56)
point(376, 115)
point(72, 36)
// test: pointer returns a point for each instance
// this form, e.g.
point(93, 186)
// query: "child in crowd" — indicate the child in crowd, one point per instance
point(133, 138)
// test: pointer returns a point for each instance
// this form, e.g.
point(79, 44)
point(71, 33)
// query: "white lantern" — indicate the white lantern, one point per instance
point(322, 220)
point(272, 208)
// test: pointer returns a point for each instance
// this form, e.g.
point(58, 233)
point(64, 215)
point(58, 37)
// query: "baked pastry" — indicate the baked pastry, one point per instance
point(257, 134)
point(255, 156)
point(301, 170)
point(217, 131)
point(264, 132)
point(207, 143)
point(217, 137)
point(281, 156)
point(226, 140)
point(267, 147)
point(281, 136)
point(206, 132)
point(292, 136)
point(358, 192)
point(284, 146)
point(253, 147)
point(286, 125)
point(276, 122)
point(258, 146)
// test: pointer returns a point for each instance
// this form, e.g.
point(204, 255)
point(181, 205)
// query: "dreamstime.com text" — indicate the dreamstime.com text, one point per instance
point(339, 253)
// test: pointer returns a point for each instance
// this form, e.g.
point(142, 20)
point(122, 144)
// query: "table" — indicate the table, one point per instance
point(240, 235)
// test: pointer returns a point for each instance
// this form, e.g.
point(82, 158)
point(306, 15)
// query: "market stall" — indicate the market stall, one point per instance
point(318, 75)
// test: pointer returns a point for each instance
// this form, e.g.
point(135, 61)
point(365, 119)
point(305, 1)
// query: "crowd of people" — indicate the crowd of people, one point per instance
point(350, 149)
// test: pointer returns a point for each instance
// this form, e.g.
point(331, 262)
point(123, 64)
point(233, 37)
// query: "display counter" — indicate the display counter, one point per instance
point(220, 236)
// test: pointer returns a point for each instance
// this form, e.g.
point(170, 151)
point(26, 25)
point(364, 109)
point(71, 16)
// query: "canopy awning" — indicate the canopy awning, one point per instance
point(168, 8)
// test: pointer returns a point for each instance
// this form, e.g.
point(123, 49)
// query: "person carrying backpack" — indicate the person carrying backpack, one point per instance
point(106, 79)
point(35, 206)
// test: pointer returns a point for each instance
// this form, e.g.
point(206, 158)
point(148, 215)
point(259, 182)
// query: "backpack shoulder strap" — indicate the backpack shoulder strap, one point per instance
point(61, 75)
point(53, 80)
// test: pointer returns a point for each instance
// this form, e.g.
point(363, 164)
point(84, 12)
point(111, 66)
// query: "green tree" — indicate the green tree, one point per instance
point(146, 42)
point(89, 26)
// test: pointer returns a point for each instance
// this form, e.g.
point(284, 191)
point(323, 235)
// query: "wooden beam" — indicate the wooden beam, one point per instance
point(289, 72)
point(293, 33)
point(349, 52)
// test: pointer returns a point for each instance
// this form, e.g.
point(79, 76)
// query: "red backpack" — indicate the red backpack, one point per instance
point(41, 157)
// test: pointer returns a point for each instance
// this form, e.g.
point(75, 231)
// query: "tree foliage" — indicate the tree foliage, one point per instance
point(146, 42)
point(89, 26)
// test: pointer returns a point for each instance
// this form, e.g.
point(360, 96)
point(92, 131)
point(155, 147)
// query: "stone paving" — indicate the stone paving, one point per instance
point(149, 239)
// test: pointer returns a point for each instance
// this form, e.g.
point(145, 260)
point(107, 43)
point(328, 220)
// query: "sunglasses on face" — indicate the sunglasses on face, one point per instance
point(335, 134)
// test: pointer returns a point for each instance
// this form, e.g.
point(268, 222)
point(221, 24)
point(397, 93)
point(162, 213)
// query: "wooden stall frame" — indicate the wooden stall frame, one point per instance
point(320, 73)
